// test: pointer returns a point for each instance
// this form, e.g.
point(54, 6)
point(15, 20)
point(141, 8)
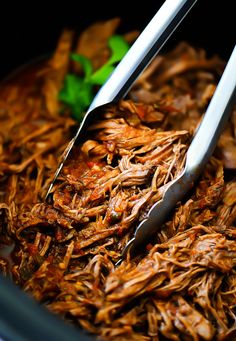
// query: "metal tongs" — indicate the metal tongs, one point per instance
point(203, 144)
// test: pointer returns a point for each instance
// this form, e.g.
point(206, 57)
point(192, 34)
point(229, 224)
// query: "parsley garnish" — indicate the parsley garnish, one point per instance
point(78, 92)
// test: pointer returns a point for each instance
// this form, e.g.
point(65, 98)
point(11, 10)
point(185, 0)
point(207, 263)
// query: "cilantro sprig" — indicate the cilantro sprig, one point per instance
point(78, 92)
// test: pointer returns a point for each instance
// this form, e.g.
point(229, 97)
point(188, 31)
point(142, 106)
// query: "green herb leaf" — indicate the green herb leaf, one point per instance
point(78, 92)
point(101, 75)
point(72, 85)
point(85, 64)
point(119, 47)
point(83, 100)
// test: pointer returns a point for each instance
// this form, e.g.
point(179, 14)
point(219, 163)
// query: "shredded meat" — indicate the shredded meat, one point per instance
point(182, 285)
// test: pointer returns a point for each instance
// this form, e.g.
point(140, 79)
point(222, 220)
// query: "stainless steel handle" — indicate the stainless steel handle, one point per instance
point(147, 45)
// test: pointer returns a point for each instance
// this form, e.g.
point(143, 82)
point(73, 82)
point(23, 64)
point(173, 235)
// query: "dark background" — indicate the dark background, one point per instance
point(28, 30)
